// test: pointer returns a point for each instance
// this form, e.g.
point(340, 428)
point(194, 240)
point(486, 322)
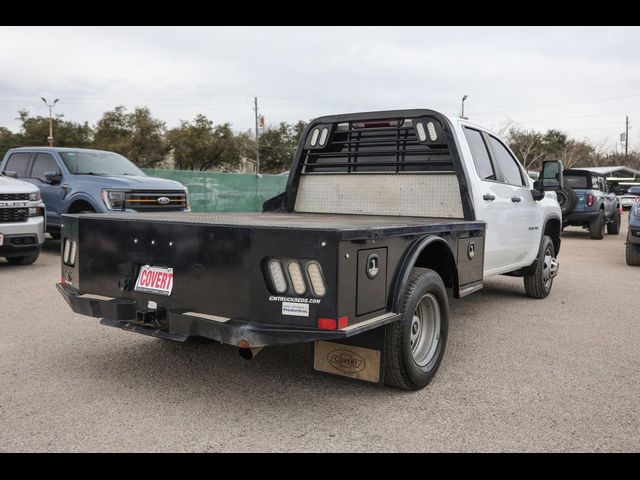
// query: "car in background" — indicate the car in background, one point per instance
point(629, 199)
point(585, 202)
point(22, 221)
point(76, 180)
point(633, 236)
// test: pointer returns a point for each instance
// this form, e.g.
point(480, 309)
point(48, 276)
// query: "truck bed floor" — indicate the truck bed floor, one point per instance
point(348, 224)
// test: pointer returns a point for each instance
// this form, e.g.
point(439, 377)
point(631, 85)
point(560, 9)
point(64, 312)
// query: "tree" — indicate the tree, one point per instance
point(532, 147)
point(35, 130)
point(528, 147)
point(136, 135)
point(278, 146)
point(199, 145)
point(7, 140)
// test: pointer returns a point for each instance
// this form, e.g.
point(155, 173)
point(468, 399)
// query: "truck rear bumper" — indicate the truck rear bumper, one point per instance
point(579, 218)
point(179, 326)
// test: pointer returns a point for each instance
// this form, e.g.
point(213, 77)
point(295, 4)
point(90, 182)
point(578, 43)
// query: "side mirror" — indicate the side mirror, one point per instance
point(9, 173)
point(551, 178)
point(52, 177)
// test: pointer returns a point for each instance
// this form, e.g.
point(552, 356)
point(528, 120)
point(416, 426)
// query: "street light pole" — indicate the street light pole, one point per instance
point(50, 105)
point(462, 110)
point(255, 106)
point(626, 140)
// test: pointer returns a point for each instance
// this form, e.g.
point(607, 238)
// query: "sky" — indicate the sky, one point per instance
point(582, 80)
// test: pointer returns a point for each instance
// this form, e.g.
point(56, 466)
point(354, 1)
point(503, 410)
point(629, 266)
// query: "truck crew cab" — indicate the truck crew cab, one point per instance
point(383, 212)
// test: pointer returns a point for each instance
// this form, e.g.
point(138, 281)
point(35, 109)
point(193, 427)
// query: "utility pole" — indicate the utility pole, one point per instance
point(50, 105)
point(255, 108)
point(626, 140)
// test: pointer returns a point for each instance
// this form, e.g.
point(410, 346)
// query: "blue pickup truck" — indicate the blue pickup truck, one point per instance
point(74, 180)
point(585, 202)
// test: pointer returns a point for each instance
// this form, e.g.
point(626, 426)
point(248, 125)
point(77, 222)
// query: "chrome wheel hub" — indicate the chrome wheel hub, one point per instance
point(549, 269)
point(424, 332)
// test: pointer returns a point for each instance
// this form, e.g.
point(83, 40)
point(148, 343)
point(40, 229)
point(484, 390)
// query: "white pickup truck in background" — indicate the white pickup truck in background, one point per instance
point(22, 221)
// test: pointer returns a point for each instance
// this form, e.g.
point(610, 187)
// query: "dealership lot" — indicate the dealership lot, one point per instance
point(561, 374)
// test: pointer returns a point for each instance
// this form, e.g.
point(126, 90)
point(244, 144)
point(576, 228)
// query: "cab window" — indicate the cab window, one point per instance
point(480, 154)
point(508, 164)
point(43, 163)
point(18, 162)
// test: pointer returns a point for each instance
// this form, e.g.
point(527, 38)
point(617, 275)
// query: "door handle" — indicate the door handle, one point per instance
point(516, 199)
point(488, 197)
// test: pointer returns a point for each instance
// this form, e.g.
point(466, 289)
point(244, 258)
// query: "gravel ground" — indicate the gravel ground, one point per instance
point(560, 374)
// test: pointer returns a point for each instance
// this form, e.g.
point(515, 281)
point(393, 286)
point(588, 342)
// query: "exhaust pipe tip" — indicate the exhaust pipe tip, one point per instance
point(248, 353)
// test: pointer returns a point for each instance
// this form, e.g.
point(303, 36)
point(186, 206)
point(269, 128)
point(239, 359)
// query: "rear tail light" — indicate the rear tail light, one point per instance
point(590, 199)
point(315, 277)
point(69, 251)
point(303, 278)
point(72, 254)
point(297, 279)
point(332, 324)
point(66, 250)
point(277, 276)
point(327, 323)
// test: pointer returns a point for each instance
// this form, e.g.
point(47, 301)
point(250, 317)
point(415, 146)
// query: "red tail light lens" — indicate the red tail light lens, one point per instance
point(590, 199)
point(327, 323)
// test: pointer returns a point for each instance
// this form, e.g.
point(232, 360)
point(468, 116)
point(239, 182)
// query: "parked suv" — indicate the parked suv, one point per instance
point(629, 199)
point(633, 236)
point(74, 180)
point(21, 221)
point(585, 202)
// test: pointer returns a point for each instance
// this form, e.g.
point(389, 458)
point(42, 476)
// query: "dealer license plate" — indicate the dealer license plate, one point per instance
point(158, 280)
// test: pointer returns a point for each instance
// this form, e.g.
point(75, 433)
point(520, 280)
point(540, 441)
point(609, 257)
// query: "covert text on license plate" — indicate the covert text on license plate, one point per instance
point(157, 280)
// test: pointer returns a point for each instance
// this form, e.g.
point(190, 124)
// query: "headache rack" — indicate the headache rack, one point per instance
point(380, 146)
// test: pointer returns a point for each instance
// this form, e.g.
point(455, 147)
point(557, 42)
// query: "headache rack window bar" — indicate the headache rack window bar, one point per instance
point(355, 150)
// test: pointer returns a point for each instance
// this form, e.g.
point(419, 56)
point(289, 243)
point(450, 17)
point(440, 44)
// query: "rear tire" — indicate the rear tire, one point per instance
point(613, 227)
point(539, 283)
point(415, 343)
point(632, 252)
point(25, 260)
point(596, 228)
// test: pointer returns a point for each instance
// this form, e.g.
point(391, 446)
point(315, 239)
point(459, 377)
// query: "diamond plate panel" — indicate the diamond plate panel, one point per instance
point(434, 195)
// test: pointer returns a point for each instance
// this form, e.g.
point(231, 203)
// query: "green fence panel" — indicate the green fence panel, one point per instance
point(225, 192)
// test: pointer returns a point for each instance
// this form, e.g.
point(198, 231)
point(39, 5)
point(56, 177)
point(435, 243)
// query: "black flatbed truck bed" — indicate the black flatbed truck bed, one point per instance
point(219, 286)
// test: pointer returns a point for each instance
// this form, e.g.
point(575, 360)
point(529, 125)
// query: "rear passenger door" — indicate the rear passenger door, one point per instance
point(523, 221)
point(52, 193)
point(494, 204)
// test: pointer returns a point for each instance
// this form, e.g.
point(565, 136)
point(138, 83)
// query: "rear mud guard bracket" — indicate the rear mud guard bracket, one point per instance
point(360, 357)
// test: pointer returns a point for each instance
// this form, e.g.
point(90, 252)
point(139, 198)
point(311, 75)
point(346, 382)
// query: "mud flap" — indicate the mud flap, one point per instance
point(360, 357)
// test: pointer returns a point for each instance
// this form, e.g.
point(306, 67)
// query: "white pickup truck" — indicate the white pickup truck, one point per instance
point(383, 212)
point(22, 221)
